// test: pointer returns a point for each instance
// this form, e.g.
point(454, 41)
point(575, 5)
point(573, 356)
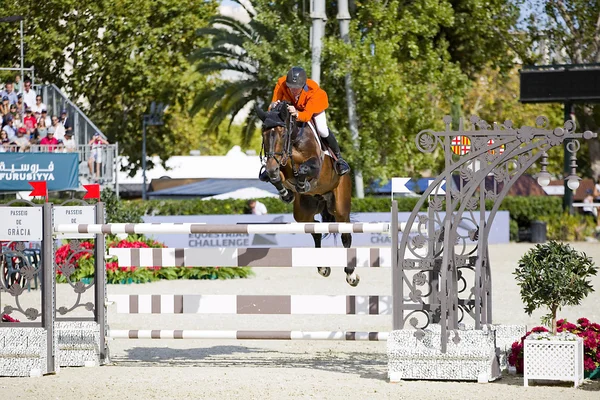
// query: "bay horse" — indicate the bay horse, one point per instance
point(297, 165)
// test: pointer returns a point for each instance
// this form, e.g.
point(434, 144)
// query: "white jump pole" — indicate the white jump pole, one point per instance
point(247, 335)
point(187, 228)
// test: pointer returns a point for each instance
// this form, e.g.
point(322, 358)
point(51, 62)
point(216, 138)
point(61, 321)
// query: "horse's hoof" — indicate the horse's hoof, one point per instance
point(353, 282)
point(324, 271)
point(288, 197)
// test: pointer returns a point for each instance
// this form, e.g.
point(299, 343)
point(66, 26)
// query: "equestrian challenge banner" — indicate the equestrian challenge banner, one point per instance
point(59, 170)
point(499, 231)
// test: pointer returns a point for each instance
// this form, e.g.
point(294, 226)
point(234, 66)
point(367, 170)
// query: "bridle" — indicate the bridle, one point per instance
point(281, 157)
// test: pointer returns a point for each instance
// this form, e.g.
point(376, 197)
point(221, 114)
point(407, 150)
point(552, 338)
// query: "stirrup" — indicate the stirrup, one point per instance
point(341, 167)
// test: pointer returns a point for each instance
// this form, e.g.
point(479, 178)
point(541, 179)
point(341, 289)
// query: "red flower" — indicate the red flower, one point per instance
point(588, 364)
point(582, 321)
point(539, 329)
point(8, 318)
point(112, 266)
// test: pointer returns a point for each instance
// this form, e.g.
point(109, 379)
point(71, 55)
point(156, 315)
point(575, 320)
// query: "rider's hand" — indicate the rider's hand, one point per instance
point(273, 105)
point(293, 111)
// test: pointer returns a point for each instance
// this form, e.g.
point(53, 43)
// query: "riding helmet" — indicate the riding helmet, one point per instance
point(296, 78)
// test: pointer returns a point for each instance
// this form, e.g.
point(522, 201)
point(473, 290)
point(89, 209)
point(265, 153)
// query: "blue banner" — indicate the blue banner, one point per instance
point(59, 170)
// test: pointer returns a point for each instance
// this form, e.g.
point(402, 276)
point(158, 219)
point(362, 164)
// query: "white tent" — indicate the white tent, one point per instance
point(235, 165)
point(245, 193)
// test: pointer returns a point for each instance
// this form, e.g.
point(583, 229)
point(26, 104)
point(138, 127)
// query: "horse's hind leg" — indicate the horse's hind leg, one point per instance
point(341, 212)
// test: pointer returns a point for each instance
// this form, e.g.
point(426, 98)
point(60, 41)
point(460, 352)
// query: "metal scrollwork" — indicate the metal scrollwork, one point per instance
point(67, 268)
point(18, 274)
point(487, 165)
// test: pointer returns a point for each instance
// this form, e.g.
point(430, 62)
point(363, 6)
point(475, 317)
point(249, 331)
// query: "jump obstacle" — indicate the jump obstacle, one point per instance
point(248, 257)
point(76, 339)
point(227, 304)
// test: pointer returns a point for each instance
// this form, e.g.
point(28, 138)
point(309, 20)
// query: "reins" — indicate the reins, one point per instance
point(284, 155)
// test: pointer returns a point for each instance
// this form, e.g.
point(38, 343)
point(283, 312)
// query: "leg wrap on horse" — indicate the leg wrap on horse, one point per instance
point(285, 194)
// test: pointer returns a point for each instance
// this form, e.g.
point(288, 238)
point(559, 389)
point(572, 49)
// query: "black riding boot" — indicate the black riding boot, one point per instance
point(341, 166)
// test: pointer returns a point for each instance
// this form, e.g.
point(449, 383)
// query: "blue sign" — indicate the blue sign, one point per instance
point(59, 170)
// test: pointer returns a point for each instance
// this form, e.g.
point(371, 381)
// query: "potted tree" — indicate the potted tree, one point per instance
point(553, 275)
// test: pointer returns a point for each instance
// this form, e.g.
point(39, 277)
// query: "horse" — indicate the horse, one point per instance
point(297, 165)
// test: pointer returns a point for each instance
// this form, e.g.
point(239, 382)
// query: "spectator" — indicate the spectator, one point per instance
point(256, 207)
point(38, 106)
point(29, 94)
point(50, 140)
point(29, 121)
point(9, 92)
point(69, 143)
point(96, 155)
point(34, 137)
point(589, 199)
point(4, 142)
point(18, 118)
point(59, 129)
point(9, 128)
point(47, 119)
point(22, 140)
point(4, 107)
point(17, 83)
point(65, 121)
point(42, 128)
point(20, 106)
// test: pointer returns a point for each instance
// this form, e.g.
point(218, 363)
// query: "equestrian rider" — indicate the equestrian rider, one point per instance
point(308, 101)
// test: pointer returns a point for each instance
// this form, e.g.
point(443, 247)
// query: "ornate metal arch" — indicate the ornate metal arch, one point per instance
point(446, 265)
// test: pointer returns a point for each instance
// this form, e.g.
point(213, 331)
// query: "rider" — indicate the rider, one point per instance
point(307, 101)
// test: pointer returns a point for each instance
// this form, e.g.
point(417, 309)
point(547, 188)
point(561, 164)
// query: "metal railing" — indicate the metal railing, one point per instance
point(56, 101)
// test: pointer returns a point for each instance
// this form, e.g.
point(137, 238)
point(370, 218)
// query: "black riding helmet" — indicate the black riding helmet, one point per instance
point(296, 78)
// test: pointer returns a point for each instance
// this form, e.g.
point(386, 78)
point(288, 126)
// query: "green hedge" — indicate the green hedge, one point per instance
point(274, 206)
point(523, 210)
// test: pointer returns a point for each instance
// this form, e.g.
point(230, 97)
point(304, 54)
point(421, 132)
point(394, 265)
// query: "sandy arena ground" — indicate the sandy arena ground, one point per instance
point(193, 369)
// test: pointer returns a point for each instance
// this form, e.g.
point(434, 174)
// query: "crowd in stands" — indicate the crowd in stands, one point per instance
point(26, 124)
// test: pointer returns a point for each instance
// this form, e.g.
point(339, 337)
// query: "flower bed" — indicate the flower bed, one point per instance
point(588, 331)
point(78, 264)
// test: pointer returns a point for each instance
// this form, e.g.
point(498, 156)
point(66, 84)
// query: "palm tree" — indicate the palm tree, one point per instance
point(255, 53)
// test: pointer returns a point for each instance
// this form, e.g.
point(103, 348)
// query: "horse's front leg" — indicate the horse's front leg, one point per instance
point(323, 271)
point(275, 179)
point(307, 170)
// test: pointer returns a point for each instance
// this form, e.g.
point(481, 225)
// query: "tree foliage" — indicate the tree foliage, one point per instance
point(410, 61)
point(554, 275)
point(249, 57)
point(113, 57)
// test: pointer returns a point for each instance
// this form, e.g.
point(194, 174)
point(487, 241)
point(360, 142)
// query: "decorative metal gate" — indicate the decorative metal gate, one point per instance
point(446, 265)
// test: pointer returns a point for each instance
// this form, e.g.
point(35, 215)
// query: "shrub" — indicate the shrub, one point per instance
point(554, 275)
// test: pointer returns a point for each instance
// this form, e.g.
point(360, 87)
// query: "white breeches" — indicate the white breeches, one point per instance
point(321, 124)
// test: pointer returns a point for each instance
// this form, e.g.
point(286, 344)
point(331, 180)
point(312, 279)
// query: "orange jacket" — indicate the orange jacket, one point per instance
point(311, 101)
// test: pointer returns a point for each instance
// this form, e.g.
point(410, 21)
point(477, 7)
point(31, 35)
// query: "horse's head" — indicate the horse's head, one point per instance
point(276, 140)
